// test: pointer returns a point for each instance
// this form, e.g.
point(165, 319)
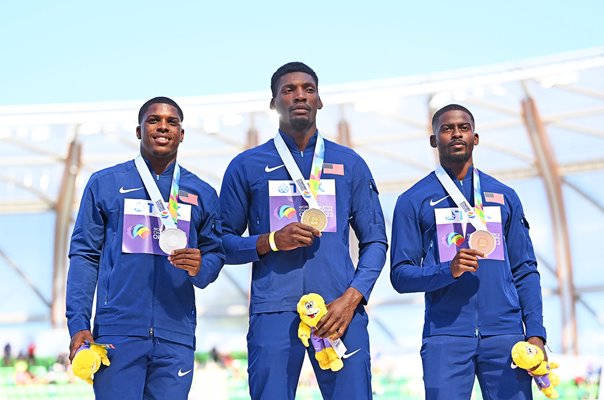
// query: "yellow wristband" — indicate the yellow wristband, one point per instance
point(271, 241)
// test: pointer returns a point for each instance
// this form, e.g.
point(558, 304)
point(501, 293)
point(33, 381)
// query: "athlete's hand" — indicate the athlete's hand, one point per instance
point(187, 259)
point(290, 237)
point(537, 341)
point(78, 339)
point(295, 235)
point(466, 260)
point(339, 314)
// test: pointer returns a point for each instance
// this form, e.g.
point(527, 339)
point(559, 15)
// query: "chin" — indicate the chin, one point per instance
point(299, 123)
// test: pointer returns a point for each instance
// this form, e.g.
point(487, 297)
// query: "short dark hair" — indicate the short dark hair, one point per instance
point(451, 107)
point(160, 100)
point(294, 66)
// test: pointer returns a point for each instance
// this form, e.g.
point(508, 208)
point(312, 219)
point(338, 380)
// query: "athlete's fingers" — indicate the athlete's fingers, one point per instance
point(311, 230)
point(304, 240)
point(184, 260)
point(471, 252)
point(191, 269)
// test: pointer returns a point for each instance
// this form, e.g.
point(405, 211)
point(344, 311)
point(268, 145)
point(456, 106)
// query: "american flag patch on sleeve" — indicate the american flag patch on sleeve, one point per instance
point(335, 169)
point(494, 198)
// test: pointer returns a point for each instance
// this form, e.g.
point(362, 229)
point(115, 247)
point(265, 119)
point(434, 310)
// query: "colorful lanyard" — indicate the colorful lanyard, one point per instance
point(169, 217)
point(459, 199)
point(311, 191)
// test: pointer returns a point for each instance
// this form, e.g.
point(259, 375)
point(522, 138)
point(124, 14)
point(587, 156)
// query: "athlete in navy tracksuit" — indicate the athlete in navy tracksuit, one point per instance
point(145, 303)
point(303, 260)
point(475, 309)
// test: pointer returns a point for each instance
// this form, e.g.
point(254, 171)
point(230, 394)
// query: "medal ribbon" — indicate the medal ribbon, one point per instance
point(173, 201)
point(459, 199)
point(478, 209)
point(169, 216)
point(309, 192)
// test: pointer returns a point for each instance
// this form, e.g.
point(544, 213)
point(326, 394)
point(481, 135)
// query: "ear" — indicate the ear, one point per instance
point(138, 132)
point(182, 135)
point(476, 139)
point(272, 104)
point(319, 104)
point(433, 140)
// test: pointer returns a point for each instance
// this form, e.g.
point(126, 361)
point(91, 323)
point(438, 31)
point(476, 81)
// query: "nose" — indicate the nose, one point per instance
point(300, 94)
point(162, 126)
point(457, 132)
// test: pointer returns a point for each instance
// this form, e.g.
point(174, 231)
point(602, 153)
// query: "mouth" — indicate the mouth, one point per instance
point(311, 315)
point(161, 139)
point(457, 144)
point(300, 109)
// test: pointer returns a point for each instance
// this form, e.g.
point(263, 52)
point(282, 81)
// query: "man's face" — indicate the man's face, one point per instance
point(454, 137)
point(297, 101)
point(160, 131)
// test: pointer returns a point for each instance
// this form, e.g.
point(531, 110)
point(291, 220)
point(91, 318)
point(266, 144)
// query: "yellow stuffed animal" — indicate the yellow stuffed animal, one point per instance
point(531, 358)
point(88, 360)
point(311, 308)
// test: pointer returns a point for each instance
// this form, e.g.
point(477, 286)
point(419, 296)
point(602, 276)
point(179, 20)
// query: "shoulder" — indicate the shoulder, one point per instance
point(342, 152)
point(414, 197)
point(421, 188)
point(256, 155)
point(111, 172)
point(491, 185)
point(192, 180)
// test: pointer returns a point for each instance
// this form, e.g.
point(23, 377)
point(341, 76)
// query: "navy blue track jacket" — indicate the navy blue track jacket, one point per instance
point(280, 278)
point(137, 294)
point(501, 297)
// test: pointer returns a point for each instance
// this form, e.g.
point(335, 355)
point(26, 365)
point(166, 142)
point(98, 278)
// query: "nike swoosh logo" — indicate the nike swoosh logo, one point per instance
point(180, 373)
point(433, 203)
point(271, 169)
point(122, 190)
point(351, 354)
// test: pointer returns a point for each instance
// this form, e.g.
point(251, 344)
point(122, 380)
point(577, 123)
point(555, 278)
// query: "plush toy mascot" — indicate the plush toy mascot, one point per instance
point(88, 360)
point(311, 308)
point(530, 357)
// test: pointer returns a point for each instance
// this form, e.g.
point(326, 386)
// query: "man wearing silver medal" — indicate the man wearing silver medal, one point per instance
point(148, 231)
point(298, 195)
point(461, 236)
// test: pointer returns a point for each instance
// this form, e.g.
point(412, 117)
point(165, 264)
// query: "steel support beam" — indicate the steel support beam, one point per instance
point(63, 210)
point(548, 169)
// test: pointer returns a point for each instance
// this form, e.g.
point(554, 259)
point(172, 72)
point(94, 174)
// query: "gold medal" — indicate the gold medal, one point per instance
point(482, 241)
point(315, 218)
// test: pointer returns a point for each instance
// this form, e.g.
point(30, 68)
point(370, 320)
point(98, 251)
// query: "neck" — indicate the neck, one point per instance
point(459, 169)
point(301, 137)
point(159, 165)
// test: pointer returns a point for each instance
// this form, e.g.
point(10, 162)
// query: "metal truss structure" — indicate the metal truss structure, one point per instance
point(541, 124)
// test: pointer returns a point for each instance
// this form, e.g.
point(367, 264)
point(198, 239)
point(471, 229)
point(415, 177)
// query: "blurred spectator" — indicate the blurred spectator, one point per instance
point(6, 359)
point(31, 353)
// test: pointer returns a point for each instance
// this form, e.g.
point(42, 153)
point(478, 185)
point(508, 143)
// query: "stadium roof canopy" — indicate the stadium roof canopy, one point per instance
point(541, 125)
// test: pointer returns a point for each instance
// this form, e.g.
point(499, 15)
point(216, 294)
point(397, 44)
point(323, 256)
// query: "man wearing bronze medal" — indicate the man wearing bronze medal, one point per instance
point(148, 231)
point(461, 236)
point(298, 195)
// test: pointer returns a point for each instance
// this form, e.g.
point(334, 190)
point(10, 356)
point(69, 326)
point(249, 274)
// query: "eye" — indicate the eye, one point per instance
point(309, 305)
point(445, 128)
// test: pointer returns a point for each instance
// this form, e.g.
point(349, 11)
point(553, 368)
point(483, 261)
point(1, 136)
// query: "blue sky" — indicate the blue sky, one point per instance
point(74, 51)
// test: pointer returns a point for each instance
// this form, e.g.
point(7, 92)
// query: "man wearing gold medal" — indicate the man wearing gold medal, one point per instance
point(298, 195)
point(147, 232)
point(461, 237)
